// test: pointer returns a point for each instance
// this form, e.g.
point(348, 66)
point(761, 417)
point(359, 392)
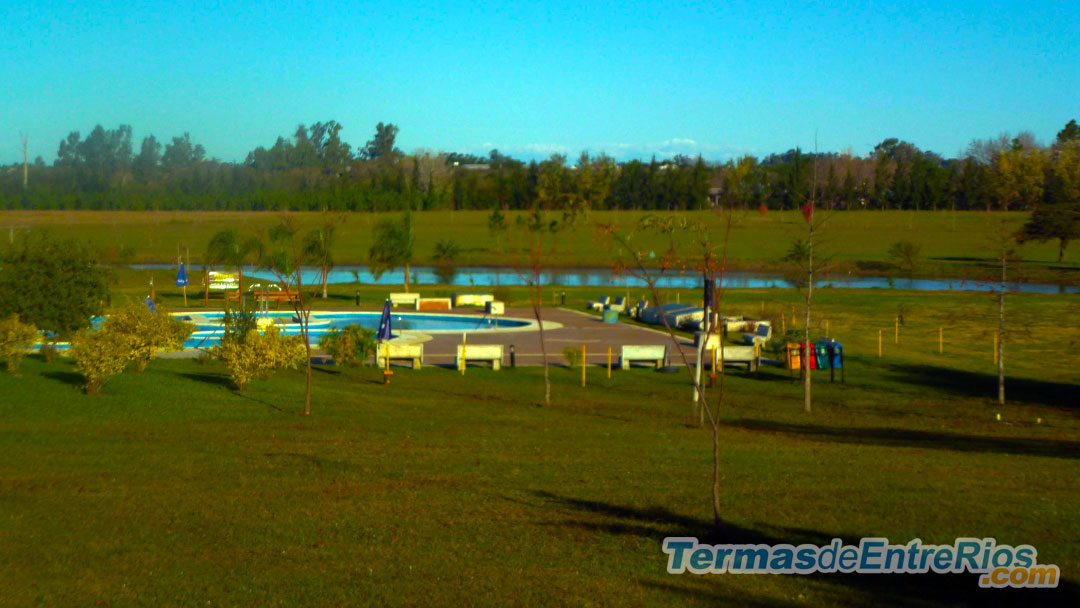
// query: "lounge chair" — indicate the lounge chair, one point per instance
point(619, 305)
point(761, 335)
point(598, 304)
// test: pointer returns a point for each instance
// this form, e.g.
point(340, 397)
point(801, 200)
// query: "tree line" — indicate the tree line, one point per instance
point(315, 169)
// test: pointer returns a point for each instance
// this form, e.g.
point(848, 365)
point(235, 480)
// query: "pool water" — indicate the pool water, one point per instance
point(209, 327)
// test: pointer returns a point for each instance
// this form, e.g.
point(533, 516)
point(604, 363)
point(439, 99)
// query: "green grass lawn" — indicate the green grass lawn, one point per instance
point(953, 244)
point(172, 489)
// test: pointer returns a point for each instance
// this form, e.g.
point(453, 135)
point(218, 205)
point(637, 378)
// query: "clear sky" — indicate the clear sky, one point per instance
point(718, 78)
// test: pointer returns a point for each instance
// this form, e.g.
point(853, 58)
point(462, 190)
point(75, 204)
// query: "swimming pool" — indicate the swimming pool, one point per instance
point(209, 327)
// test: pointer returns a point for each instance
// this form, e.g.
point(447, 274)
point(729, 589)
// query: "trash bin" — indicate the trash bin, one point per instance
point(794, 356)
point(813, 355)
point(821, 354)
point(611, 316)
point(836, 354)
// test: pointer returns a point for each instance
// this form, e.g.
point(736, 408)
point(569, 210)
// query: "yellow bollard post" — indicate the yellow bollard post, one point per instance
point(879, 343)
point(582, 366)
point(609, 362)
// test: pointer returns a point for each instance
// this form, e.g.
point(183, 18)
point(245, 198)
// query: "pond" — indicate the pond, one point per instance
point(484, 276)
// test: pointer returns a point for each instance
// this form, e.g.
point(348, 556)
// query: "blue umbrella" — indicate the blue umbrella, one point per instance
point(181, 276)
point(384, 323)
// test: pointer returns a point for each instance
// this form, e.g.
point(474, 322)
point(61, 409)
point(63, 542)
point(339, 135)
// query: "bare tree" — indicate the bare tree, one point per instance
point(808, 214)
point(702, 257)
point(24, 139)
point(1005, 242)
point(541, 238)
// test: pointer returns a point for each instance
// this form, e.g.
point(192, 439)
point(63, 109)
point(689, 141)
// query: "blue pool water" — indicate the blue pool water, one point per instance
point(208, 326)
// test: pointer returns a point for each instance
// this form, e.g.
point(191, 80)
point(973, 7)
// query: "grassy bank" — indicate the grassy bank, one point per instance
point(953, 244)
point(438, 489)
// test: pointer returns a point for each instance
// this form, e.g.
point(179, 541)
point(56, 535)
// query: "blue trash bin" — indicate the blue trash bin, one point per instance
point(836, 354)
point(611, 316)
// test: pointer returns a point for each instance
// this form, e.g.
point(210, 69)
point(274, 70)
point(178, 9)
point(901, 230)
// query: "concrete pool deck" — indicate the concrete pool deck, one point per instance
point(574, 329)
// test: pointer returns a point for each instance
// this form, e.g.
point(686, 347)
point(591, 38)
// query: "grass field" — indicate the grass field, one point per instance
point(953, 244)
point(442, 490)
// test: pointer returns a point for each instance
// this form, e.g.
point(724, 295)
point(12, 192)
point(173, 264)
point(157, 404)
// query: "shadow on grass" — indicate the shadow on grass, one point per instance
point(656, 523)
point(70, 378)
point(225, 382)
point(973, 384)
point(916, 439)
point(207, 378)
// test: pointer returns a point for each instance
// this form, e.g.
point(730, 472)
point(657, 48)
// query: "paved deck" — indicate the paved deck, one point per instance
point(577, 329)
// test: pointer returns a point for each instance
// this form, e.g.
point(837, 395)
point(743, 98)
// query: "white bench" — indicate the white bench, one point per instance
point(408, 351)
point(472, 299)
point(651, 353)
point(750, 355)
point(412, 300)
point(480, 352)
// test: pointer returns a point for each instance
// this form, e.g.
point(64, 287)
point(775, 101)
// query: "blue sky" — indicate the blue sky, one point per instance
point(631, 79)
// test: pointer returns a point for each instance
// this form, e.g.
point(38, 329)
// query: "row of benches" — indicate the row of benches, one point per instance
point(493, 353)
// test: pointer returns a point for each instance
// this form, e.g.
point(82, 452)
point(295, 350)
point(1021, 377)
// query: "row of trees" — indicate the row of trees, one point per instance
point(316, 169)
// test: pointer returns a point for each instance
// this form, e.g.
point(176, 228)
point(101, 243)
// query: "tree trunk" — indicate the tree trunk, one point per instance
point(538, 302)
point(406, 278)
point(304, 333)
point(1062, 244)
point(324, 281)
point(1001, 333)
point(806, 345)
point(716, 469)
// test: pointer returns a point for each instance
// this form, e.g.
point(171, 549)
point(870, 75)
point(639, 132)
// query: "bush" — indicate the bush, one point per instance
point(99, 356)
point(794, 264)
point(906, 255)
point(253, 355)
point(573, 356)
point(15, 338)
point(147, 332)
point(352, 345)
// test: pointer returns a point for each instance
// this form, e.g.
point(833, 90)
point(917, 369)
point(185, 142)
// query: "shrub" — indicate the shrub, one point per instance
point(794, 264)
point(906, 255)
point(573, 356)
point(352, 345)
point(15, 338)
point(446, 250)
point(147, 332)
point(253, 355)
point(99, 355)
